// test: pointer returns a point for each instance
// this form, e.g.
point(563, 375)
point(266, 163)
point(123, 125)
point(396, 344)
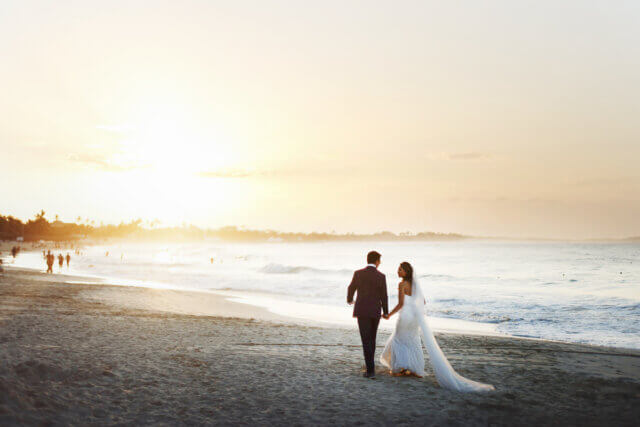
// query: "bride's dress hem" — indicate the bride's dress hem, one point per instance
point(404, 349)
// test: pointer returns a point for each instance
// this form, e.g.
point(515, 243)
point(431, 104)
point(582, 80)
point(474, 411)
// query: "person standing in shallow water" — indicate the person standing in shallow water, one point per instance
point(68, 259)
point(60, 260)
point(50, 260)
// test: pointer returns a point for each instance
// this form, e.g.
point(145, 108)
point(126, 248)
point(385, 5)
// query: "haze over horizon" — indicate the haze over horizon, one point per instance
point(513, 119)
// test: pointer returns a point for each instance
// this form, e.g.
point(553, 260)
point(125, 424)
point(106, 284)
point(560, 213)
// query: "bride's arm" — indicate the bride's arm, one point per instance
point(400, 302)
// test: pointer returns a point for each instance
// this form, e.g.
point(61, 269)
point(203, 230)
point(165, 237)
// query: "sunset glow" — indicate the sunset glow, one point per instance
point(482, 119)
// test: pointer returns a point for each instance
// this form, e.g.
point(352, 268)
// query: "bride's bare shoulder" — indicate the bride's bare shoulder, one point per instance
point(405, 286)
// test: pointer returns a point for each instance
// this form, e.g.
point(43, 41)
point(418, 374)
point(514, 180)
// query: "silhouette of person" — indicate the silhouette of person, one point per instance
point(60, 260)
point(50, 259)
point(68, 259)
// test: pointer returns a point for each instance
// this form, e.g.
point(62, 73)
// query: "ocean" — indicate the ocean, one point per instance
point(573, 292)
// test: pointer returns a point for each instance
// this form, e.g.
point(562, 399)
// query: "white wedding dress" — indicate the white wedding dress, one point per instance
point(404, 349)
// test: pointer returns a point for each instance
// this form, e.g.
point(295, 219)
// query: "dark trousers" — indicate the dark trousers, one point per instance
point(368, 330)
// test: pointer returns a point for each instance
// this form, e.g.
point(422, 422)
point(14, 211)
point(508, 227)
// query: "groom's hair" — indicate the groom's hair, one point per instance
point(373, 257)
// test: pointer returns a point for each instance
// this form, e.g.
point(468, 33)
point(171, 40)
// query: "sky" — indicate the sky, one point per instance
point(493, 118)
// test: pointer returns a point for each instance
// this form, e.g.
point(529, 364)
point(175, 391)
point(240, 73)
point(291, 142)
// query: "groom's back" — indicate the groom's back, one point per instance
point(371, 288)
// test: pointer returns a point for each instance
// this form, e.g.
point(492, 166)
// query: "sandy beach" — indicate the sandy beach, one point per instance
point(90, 354)
point(198, 196)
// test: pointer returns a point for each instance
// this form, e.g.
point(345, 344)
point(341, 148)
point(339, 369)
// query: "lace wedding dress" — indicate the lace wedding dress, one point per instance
point(404, 349)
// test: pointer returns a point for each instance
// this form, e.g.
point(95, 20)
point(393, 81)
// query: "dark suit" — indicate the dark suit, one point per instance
point(371, 286)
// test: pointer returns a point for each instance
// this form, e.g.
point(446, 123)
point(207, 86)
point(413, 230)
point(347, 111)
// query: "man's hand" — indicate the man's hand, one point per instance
point(385, 316)
point(350, 302)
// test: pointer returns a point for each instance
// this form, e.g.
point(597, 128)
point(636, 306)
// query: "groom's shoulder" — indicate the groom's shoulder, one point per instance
point(370, 271)
point(380, 275)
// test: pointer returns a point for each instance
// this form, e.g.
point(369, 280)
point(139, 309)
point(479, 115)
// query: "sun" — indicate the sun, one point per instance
point(168, 139)
point(164, 163)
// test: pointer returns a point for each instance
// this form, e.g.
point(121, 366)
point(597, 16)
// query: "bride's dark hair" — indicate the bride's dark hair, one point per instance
point(408, 269)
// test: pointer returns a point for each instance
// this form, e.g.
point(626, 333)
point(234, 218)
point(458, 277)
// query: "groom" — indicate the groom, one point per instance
point(371, 286)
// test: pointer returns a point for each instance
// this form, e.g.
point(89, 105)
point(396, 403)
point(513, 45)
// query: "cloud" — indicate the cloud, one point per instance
point(100, 162)
point(469, 156)
point(234, 173)
point(115, 128)
point(603, 182)
point(505, 199)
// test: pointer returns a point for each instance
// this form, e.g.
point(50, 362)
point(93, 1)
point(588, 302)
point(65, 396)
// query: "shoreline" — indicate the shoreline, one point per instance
point(251, 305)
point(224, 304)
point(70, 359)
point(220, 304)
point(303, 313)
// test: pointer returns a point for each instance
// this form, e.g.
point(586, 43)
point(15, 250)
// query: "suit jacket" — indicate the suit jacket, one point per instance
point(371, 286)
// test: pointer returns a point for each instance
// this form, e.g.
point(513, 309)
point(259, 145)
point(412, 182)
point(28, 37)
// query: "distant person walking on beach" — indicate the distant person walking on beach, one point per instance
point(50, 260)
point(68, 259)
point(14, 251)
point(60, 260)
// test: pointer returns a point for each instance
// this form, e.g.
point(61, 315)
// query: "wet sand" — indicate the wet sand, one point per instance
point(94, 354)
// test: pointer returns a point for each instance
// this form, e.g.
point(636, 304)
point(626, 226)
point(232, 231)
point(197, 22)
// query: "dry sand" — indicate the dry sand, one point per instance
point(88, 354)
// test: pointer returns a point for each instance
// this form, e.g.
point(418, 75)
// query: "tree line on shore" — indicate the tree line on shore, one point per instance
point(39, 228)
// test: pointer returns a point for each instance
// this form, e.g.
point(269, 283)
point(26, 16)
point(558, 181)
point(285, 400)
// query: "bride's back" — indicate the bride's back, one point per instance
point(405, 287)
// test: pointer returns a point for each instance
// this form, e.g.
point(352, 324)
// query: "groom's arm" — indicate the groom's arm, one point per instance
point(353, 287)
point(384, 298)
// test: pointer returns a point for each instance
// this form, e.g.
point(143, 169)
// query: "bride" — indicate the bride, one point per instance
point(403, 352)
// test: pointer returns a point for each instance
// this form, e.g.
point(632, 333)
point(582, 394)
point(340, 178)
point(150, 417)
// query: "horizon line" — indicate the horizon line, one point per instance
point(139, 224)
